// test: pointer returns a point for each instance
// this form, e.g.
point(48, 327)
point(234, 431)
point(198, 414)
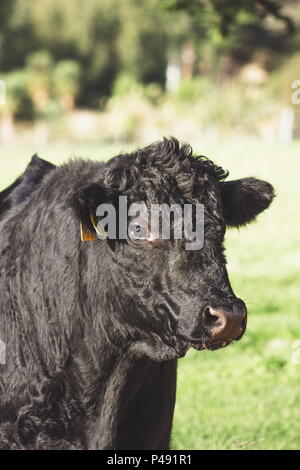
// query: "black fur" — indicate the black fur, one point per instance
point(93, 333)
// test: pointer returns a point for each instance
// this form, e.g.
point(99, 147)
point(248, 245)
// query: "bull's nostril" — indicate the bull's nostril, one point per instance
point(210, 318)
point(225, 323)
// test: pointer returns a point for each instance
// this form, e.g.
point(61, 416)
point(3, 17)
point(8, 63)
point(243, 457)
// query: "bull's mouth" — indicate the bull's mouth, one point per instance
point(211, 346)
point(183, 344)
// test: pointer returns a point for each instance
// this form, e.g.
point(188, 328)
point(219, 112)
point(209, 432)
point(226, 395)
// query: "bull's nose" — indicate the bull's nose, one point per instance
point(225, 324)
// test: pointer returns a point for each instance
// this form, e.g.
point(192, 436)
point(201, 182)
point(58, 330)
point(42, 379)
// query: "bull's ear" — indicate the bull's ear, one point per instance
point(88, 199)
point(244, 199)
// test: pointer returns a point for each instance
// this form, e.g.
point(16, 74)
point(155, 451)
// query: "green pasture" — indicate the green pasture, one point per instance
point(246, 396)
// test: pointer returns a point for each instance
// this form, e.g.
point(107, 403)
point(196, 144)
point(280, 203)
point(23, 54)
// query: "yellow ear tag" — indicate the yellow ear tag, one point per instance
point(86, 234)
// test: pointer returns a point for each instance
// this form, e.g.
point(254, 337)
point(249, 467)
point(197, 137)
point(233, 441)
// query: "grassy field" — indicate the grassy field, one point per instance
point(246, 396)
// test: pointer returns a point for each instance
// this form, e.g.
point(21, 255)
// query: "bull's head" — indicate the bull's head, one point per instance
point(165, 296)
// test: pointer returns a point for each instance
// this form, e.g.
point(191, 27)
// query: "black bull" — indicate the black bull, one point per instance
point(92, 330)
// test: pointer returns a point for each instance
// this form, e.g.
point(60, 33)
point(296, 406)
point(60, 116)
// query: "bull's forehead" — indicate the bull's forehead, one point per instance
point(166, 162)
point(168, 186)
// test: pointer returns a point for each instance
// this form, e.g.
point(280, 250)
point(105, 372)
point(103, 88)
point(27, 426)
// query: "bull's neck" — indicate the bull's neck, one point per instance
point(110, 393)
point(106, 361)
point(105, 398)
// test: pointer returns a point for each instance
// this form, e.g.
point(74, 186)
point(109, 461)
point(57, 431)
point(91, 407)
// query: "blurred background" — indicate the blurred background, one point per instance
point(95, 78)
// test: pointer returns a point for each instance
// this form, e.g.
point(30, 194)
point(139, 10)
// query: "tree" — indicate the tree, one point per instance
point(227, 13)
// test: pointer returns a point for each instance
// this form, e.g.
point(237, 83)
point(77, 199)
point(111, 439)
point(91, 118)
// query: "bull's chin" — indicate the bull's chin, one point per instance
point(180, 345)
point(185, 343)
point(210, 346)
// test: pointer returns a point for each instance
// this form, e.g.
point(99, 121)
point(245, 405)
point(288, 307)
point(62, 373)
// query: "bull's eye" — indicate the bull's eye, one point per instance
point(138, 232)
point(221, 230)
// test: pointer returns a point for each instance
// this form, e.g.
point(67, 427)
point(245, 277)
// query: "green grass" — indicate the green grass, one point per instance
point(246, 396)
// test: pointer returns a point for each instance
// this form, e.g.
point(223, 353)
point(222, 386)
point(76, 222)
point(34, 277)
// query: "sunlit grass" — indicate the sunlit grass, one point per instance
point(248, 395)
